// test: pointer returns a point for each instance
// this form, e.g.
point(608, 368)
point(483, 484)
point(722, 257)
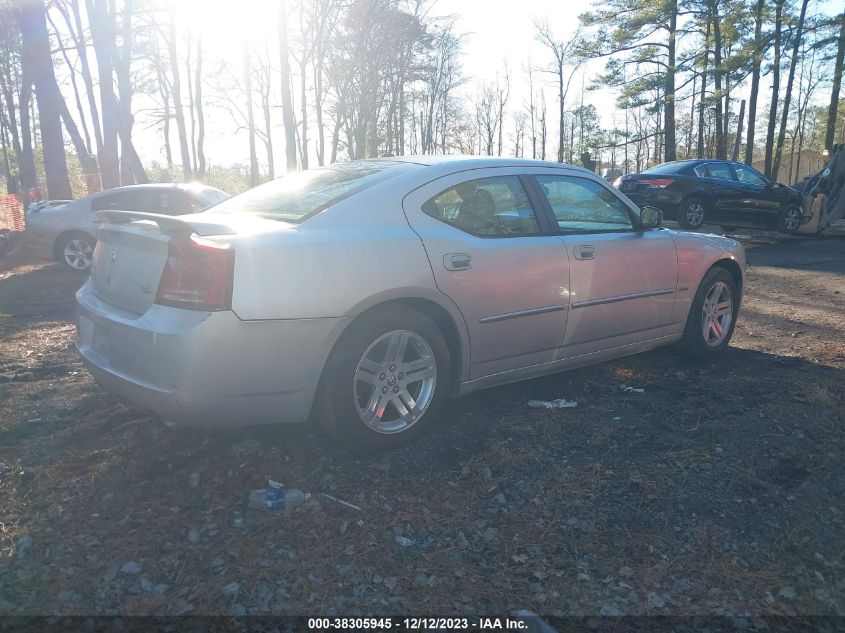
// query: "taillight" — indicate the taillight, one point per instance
point(197, 276)
point(656, 183)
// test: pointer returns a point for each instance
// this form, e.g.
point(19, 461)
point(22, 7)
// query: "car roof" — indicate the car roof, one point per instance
point(186, 186)
point(460, 162)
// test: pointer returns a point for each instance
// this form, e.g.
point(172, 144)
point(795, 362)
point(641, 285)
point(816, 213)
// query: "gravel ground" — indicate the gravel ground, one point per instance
point(718, 490)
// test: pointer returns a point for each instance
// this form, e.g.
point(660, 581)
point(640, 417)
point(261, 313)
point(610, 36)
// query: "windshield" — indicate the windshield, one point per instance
point(667, 168)
point(296, 197)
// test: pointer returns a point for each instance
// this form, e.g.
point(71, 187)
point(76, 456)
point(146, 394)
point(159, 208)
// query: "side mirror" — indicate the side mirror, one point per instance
point(650, 217)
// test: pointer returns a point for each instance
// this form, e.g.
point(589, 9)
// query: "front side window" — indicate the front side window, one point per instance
point(722, 171)
point(488, 207)
point(583, 205)
point(749, 176)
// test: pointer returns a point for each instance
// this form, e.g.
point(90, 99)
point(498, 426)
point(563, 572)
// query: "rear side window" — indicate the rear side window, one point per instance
point(296, 197)
point(126, 200)
point(487, 207)
point(722, 171)
point(701, 171)
point(583, 205)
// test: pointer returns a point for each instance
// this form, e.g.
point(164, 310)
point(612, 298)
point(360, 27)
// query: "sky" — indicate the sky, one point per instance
point(496, 32)
point(492, 37)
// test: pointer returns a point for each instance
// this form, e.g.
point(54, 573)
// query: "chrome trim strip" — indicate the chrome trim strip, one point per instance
point(520, 313)
point(636, 295)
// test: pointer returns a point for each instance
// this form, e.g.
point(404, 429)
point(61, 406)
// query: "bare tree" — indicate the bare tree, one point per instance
point(563, 56)
point(796, 43)
point(284, 75)
point(38, 60)
point(176, 90)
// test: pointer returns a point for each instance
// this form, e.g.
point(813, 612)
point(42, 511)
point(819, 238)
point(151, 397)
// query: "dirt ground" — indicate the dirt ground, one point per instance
point(719, 490)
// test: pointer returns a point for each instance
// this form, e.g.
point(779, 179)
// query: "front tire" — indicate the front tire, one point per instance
point(790, 218)
point(691, 213)
point(386, 380)
point(712, 317)
point(76, 251)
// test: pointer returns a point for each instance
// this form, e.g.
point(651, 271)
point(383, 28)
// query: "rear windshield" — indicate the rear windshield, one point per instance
point(667, 168)
point(212, 196)
point(296, 197)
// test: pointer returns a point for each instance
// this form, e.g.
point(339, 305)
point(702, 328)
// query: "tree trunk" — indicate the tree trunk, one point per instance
point(287, 103)
point(788, 95)
point(21, 142)
point(755, 81)
point(669, 86)
point(773, 107)
point(191, 106)
point(833, 108)
point(132, 170)
point(318, 103)
point(85, 70)
point(253, 158)
point(201, 166)
point(304, 116)
point(89, 165)
point(103, 36)
point(75, 86)
point(703, 94)
point(738, 139)
point(721, 151)
point(37, 56)
point(562, 113)
point(268, 129)
point(11, 183)
point(176, 89)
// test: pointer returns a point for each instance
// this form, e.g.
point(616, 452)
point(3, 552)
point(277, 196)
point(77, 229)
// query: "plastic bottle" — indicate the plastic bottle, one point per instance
point(278, 497)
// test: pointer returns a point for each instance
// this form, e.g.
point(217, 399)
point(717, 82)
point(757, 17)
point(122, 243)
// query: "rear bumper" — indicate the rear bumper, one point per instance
point(666, 201)
point(205, 368)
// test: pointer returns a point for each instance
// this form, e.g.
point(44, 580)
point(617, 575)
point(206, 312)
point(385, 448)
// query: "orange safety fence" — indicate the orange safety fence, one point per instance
point(12, 216)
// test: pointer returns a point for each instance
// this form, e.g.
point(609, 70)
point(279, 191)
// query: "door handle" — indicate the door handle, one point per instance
point(585, 252)
point(457, 261)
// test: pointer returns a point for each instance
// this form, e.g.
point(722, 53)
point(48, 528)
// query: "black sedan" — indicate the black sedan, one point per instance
point(716, 192)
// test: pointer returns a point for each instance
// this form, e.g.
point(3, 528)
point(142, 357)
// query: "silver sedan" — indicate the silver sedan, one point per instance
point(66, 229)
point(363, 295)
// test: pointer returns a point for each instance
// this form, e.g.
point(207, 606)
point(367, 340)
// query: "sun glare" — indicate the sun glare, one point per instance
point(224, 25)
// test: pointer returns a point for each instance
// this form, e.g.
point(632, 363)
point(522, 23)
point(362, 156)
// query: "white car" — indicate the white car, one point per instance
point(67, 232)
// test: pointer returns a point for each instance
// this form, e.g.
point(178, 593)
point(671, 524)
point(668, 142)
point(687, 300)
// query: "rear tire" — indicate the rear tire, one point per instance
point(691, 213)
point(76, 250)
point(712, 317)
point(386, 380)
point(789, 219)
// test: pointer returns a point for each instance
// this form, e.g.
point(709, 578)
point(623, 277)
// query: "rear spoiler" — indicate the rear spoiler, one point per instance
point(169, 224)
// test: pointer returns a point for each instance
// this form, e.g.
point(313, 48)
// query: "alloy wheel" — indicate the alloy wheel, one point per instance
point(792, 218)
point(394, 381)
point(78, 254)
point(717, 314)
point(695, 213)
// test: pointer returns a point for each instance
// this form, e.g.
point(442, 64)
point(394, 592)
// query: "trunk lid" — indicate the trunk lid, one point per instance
point(132, 249)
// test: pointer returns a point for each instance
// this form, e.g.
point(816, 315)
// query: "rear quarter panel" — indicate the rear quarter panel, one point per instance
point(332, 264)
